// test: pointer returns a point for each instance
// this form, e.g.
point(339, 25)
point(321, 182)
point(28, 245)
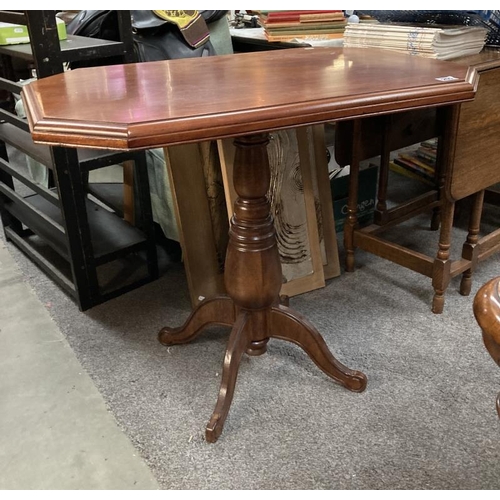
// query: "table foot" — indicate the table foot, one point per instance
point(466, 283)
point(292, 326)
point(237, 344)
point(438, 302)
point(215, 311)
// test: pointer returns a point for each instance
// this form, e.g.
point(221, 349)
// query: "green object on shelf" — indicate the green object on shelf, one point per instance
point(11, 34)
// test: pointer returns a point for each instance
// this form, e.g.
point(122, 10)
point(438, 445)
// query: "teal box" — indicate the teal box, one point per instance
point(367, 193)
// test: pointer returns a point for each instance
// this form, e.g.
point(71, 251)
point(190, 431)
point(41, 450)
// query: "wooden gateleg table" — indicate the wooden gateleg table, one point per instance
point(244, 96)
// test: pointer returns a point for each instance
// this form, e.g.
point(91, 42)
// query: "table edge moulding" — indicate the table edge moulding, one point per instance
point(244, 96)
point(233, 110)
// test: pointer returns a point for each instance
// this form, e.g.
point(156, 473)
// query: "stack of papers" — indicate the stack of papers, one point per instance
point(435, 42)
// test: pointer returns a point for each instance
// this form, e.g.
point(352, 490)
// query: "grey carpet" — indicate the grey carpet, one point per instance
point(427, 419)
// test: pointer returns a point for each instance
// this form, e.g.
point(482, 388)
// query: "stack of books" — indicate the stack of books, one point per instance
point(445, 42)
point(288, 25)
point(417, 163)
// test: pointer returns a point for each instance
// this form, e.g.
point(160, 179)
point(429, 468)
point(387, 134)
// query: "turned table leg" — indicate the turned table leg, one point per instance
point(380, 214)
point(470, 249)
point(351, 221)
point(441, 274)
point(252, 275)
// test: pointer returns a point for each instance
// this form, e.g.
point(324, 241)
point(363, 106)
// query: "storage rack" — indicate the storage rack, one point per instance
point(85, 236)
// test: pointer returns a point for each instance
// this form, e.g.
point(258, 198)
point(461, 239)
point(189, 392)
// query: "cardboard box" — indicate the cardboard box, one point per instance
point(11, 34)
point(367, 193)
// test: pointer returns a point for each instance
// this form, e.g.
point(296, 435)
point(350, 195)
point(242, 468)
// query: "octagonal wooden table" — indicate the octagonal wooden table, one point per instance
point(244, 96)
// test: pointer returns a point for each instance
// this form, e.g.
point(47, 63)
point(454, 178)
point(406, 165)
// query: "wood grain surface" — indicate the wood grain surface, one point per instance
point(159, 103)
point(478, 139)
point(292, 209)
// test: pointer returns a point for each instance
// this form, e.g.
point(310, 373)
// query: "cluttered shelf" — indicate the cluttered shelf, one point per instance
point(73, 48)
point(48, 212)
point(434, 34)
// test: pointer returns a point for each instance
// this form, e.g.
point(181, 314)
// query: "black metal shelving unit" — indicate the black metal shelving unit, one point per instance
point(74, 237)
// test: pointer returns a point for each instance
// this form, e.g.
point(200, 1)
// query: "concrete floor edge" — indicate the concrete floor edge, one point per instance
point(56, 432)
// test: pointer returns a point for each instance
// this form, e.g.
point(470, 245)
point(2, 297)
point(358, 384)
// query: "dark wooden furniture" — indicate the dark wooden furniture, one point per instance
point(243, 96)
point(487, 313)
point(465, 168)
point(247, 44)
point(60, 227)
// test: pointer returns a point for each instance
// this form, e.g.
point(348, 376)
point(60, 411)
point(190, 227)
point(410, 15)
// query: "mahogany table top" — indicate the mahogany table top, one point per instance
point(154, 104)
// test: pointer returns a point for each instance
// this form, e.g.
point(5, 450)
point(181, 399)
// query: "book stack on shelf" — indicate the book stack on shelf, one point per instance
point(306, 25)
point(417, 163)
point(445, 42)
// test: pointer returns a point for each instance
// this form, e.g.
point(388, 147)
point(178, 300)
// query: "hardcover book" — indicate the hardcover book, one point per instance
point(302, 25)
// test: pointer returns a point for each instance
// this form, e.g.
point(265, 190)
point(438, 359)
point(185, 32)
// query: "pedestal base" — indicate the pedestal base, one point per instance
point(279, 322)
point(252, 276)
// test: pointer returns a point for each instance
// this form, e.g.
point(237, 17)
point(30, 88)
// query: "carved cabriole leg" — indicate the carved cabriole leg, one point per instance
point(352, 202)
point(292, 326)
point(238, 341)
point(214, 311)
point(470, 249)
point(442, 263)
point(253, 281)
